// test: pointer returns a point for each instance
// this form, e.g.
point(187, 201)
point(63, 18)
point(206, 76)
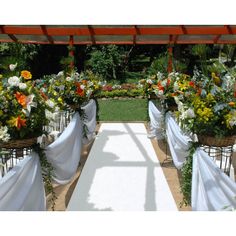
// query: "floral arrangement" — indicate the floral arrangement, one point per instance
point(22, 108)
point(210, 107)
point(68, 89)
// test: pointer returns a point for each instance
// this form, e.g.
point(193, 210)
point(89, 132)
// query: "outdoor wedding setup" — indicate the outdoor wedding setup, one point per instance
point(177, 150)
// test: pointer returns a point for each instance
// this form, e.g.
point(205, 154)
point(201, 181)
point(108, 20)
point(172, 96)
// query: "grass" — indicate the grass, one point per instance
point(123, 110)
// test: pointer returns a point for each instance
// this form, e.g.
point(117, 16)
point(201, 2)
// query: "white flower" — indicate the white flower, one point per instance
point(50, 103)
point(22, 86)
point(60, 74)
point(4, 136)
point(160, 92)
point(82, 86)
point(176, 86)
point(190, 113)
point(90, 83)
point(30, 103)
point(12, 67)
point(69, 78)
point(149, 81)
point(164, 82)
point(13, 81)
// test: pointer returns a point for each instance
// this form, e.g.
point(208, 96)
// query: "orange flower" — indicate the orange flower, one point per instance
point(160, 87)
point(168, 82)
point(17, 122)
point(21, 98)
point(43, 95)
point(231, 104)
point(79, 90)
point(26, 74)
point(20, 122)
point(84, 81)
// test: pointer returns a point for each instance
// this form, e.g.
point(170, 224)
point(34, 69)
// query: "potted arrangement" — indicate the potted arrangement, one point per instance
point(22, 111)
point(210, 110)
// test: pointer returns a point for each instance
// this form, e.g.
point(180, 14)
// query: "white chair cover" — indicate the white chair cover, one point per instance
point(156, 127)
point(90, 121)
point(212, 190)
point(22, 189)
point(177, 141)
point(64, 153)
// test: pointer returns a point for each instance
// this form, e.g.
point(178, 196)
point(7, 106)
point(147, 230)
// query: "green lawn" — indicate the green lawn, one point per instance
point(123, 110)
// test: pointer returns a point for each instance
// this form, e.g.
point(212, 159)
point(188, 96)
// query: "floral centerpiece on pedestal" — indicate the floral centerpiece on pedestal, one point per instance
point(22, 108)
point(164, 88)
point(210, 111)
point(73, 89)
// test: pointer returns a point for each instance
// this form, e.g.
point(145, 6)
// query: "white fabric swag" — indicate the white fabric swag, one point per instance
point(90, 121)
point(177, 141)
point(156, 121)
point(64, 153)
point(212, 189)
point(22, 189)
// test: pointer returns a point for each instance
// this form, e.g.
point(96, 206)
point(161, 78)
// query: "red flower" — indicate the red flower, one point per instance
point(191, 83)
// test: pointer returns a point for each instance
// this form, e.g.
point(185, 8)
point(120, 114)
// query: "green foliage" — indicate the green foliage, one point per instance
point(201, 51)
point(121, 93)
point(186, 171)
point(105, 61)
point(159, 65)
point(47, 173)
point(12, 53)
point(123, 110)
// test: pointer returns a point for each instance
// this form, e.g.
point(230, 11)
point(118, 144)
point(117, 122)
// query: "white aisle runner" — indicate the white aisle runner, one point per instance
point(122, 173)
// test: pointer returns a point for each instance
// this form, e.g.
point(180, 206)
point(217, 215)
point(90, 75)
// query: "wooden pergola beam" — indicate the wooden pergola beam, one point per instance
point(49, 38)
point(80, 31)
point(216, 38)
point(91, 32)
point(11, 36)
point(126, 42)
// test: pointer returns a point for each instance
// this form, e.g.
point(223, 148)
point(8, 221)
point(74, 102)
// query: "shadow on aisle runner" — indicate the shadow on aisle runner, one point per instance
point(122, 173)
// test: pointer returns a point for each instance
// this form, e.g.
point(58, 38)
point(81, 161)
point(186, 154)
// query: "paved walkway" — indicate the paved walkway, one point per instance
point(122, 173)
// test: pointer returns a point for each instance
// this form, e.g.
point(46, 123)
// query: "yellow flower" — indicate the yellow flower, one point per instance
point(1, 76)
point(26, 74)
point(210, 97)
point(216, 79)
point(60, 100)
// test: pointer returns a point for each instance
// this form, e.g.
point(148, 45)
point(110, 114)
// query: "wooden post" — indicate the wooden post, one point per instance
point(170, 59)
point(71, 52)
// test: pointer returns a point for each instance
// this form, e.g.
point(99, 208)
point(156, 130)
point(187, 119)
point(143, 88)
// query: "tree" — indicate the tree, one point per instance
point(106, 61)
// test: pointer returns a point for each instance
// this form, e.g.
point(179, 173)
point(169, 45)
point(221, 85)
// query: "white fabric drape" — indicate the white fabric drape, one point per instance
point(64, 153)
point(90, 121)
point(156, 128)
point(177, 141)
point(212, 190)
point(22, 189)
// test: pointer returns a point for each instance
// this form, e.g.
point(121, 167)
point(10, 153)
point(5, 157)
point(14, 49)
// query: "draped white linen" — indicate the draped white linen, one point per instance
point(212, 190)
point(64, 153)
point(177, 141)
point(90, 121)
point(22, 189)
point(156, 127)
